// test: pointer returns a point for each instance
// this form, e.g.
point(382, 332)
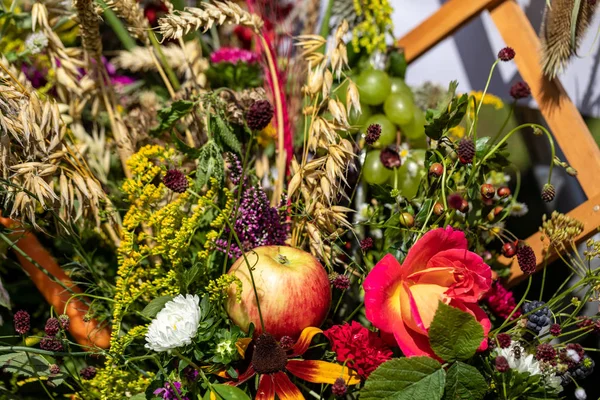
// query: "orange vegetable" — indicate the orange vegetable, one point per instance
point(91, 334)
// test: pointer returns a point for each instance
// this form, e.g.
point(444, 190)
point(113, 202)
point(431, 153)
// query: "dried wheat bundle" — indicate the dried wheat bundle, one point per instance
point(180, 59)
point(132, 13)
point(178, 24)
point(318, 183)
point(556, 35)
point(37, 161)
point(89, 26)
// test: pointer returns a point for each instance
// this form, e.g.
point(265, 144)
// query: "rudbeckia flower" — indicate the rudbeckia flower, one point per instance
point(273, 363)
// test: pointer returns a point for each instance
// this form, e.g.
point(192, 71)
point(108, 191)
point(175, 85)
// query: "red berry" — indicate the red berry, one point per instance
point(503, 191)
point(438, 209)
point(436, 170)
point(509, 250)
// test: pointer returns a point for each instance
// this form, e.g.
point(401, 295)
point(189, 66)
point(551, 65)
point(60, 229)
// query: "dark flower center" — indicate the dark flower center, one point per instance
point(268, 356)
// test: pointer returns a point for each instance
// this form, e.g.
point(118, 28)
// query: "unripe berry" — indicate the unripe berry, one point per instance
point(438, 209)
point(436, 170)
point(487, 191)
point(503, 191)
point(494, 213)
point(464, 206)
point(407, 220)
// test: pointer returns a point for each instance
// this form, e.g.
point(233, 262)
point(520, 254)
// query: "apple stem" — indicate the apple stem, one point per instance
point(281, 259)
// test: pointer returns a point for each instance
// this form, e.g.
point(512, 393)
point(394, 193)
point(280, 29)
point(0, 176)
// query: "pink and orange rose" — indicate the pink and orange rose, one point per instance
point(401, 299)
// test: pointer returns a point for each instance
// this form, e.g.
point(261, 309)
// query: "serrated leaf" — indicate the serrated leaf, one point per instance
point(448, 114)
point(168, 117)
point(210, 163)
point(183, 147)
point(225, 134)
point(464, 382)
point(406, 379)
point(155, 306)
point(454, 334)
point(228, 392)
point(23, 365)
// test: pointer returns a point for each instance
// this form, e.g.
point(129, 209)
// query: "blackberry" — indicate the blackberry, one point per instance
point(540, 318)
point(566, 379)
point(584, 368)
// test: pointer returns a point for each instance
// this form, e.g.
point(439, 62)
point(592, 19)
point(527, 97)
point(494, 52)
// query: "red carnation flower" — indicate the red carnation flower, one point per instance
point(363, 349)
point(501, 301)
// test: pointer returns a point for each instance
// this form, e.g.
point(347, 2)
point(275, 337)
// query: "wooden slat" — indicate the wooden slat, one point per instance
point(562, 116)
point(450, 17)
point(588, 213)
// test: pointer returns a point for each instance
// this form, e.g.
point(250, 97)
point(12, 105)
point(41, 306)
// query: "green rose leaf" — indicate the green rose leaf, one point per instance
point(155, 306)
point(464, 382)
point(454, 334)
point(406, 379)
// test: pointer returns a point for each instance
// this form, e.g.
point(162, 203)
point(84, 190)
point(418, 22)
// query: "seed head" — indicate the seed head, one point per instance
point(466, 151)
point(176, 181)
point(64, 321)
point(268, 356)
point(526, 259)
point(545, 352)
point(373, 133)
point(520, 90)
point(51, 343)
point(22, 322)
point(548, 192)
point(52, 327)
point(390, 158)
point(555, 330)
point(54, 369)
point(339, 388)
point(341, 282)
point(504, 340)
point(366, 244)
point(286, 342)
point(88, 373)
point(259, 115)
point(506, 54)
point(501, 364)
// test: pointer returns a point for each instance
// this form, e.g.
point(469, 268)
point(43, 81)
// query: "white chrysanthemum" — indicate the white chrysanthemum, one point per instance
point(36, 42)
point(518, 209)
point(525, 363)
point(175, 325)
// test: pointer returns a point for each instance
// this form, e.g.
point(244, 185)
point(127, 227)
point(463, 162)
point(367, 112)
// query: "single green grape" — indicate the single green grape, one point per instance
point(400, 87)
point(415, 129)
point(373, 86)
point(374, 172)
point(408, 177)
point(399, 108)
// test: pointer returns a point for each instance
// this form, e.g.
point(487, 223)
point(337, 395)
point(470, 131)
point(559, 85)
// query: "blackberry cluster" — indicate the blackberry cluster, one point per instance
point(540, 318)
point(584, 368)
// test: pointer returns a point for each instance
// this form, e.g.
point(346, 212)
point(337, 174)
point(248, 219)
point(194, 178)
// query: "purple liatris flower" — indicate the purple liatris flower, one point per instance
point(233, 55)
point(257, 223)
point(167, 393)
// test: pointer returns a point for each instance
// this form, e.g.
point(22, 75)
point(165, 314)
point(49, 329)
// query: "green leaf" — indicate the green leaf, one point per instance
point(454, 334)
point(448, 114)
point(397, 64)
point(464, 382)
point(155, 306)
point(228, 392)
point(406, 379)
point(183, 147)
point(168, 117)
point(139, 396)
point(23, 364)
point(225, 134)
point(210, 163)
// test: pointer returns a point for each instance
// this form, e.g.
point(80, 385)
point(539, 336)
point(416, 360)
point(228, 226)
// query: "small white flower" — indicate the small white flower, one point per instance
point(36, 42)
point(525, 363)
point(175, 325)
point(404, 152)
point(518, 209)
point(580, 394)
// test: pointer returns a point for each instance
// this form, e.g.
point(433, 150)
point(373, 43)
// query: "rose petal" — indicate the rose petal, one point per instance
point(430, 244)
point(426, 297)
point(411, 342)
point(382, 300)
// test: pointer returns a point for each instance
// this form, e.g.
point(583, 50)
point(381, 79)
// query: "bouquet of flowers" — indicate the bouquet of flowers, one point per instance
point(211, 209)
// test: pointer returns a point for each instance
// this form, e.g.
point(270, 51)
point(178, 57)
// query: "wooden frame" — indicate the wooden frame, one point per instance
point(561, 115)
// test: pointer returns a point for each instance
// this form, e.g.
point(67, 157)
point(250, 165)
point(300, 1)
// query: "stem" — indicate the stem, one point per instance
point(9, 349)
point(174, 82)
point(117, 26)
point(512, 108)
point(324, 31)
point(487, 84)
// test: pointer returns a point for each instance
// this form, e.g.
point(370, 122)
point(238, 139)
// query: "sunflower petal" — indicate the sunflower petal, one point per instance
point(284, 387)
point(304, 340)
point(266, 388)
point(317, 371)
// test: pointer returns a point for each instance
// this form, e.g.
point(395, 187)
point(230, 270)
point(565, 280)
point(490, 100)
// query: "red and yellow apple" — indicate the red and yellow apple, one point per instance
point(293, 291)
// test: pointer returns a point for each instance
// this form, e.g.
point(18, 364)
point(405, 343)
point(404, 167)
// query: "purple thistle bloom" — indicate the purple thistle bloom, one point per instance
point(257, 223)
point(167, 392)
